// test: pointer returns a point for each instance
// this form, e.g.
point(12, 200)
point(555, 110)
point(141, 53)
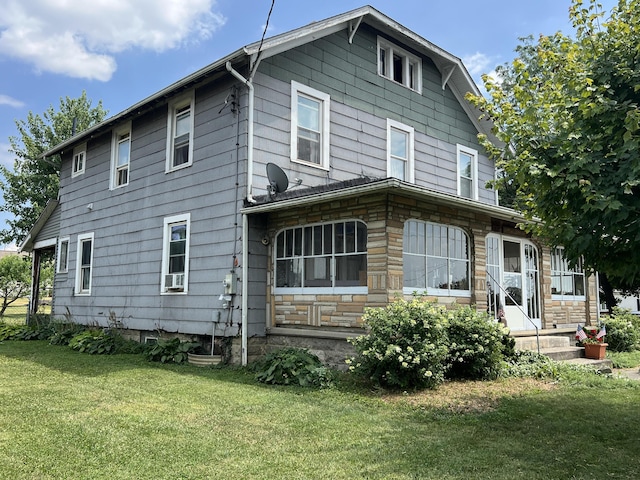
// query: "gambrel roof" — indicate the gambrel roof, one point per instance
point(454, 74)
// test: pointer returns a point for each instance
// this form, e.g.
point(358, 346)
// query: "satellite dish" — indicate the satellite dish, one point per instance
point(278, 181)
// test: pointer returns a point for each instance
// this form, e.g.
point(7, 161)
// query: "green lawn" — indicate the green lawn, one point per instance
point(66, 415)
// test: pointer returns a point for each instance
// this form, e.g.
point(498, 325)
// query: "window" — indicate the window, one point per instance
point(309, 126)
point(63, 255)
point(467, 172)
point(180, 134)
point(120, 156)
point(79, 160)
point(84, 264)
point(324, 257)
point(436, 259)
point(566, 282)
point(175, 257)
point(399, 65)
point(400, 151)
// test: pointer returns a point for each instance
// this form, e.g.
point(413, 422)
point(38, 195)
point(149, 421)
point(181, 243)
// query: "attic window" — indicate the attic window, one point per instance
point(79, 160)
point(399, 65)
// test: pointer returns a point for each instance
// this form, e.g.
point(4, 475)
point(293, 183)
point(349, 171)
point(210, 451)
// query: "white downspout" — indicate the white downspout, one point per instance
point(245, 219)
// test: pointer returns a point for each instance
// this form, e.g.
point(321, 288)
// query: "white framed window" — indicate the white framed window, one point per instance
point(567, 282)
point(322, 258)
point(398, 65)
point(467, 159)
point(175, 254)
point(310, 126)
point(120, 156)
point(62, 262)
point(84, 264)
point(400, 151)
point(79, 160)
point(180, 133)
point(436, 259)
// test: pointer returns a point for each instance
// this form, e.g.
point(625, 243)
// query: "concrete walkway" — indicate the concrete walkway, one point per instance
point(630, 373)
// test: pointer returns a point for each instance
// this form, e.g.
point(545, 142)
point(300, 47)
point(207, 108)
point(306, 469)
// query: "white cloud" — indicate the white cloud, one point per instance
point(79, 38)
point(12, 102)
point(478, 64)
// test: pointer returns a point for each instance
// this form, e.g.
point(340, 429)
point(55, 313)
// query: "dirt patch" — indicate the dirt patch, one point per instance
point(471, 396)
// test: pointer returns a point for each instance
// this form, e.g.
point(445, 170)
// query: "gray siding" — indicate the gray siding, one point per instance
point(361, 102)
point(128, 223)
point(51, 227)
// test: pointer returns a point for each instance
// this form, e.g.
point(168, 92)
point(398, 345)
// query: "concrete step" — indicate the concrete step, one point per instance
point(546, 341)
point(601, 365)
point(563, 353)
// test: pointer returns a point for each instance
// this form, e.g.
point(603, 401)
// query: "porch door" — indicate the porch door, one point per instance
point(513, 263)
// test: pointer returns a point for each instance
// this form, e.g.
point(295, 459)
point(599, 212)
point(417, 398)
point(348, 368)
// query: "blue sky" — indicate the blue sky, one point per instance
point(123, 51)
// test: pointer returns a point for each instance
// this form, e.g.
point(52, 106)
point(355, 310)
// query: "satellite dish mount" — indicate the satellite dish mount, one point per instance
point(278, 181)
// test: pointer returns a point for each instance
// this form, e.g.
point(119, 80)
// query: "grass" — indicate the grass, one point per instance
point(16, 313)
point(70, 415)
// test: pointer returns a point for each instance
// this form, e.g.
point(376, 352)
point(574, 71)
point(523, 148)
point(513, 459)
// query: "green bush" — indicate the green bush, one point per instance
point(293, 366)
point(477, 345)
point(95, 342)
point(623, 331)
point(406, 346)
point(170, 351)
point(63, 332)
point(9, 331)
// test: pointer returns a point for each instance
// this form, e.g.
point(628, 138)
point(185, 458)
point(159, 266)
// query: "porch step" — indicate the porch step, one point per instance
point(546, 342)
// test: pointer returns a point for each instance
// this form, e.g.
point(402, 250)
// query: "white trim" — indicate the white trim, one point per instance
point(115, 141)
point(167, 222)
point(474, 170)
point(410, 165)
point(50, 242)
point(408, 59)
point(82, 151)
point(58, 250)
point(325, 122)
point(178, 103)
point(78, 285)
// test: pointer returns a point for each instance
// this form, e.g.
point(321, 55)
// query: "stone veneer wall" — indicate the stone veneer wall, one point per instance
point(385, 216)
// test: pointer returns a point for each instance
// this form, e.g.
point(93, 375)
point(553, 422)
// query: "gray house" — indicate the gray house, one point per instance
point(174, 216)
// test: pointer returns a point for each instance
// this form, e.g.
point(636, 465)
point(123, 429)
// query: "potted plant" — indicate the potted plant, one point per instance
point(592, 339)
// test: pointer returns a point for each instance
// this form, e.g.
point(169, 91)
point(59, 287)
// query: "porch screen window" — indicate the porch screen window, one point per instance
point(566, 281)
point(330, 255)
point(84, 264)
point(310, 126)
point(436, 259)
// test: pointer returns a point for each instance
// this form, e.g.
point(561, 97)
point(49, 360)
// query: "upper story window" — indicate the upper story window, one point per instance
point(175, 254)
point(120, 156)
point(63, 255)
point(435, 259)
point(180, 133)
point(467, 159)
point(400, 151)
point(399, 65)
point(309, 126)
point(322, 257)
point(79, 160)
point(84, 264)
point(566, 282)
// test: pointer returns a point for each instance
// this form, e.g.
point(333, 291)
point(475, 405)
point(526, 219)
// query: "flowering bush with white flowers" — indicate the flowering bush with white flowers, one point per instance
point(623, 330)
point(406, 346)
point(477, 345)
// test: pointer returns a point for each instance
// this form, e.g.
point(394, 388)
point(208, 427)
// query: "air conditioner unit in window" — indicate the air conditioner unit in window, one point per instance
point(174, 281)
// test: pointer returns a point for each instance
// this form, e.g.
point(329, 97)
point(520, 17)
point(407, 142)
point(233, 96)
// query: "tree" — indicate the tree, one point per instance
point(34, 181)
point(567, 112)
point(15, 279)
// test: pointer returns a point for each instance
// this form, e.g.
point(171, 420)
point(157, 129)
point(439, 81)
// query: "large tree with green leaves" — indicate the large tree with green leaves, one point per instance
point(567, 111)
point(34, 180)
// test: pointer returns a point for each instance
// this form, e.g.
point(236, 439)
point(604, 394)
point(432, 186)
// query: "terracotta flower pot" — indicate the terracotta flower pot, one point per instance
point(595, 350)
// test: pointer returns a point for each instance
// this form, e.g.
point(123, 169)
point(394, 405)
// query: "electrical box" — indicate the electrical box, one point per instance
point(229, 283)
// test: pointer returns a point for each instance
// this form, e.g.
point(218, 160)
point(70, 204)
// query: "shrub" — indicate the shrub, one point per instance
point(405, 346)
point(293, 366)
point(9, 331)
point(170, 351)
point(94, 342)
point(623, 330)
point(477, 345)
point(63, 332)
